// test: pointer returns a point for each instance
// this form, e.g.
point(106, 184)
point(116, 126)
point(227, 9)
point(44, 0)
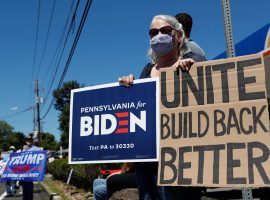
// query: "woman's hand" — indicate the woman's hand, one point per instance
point(185, 64)
point(126, 80)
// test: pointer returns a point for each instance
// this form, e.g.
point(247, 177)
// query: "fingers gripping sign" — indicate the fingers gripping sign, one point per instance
point(126, 80)
point(185, 64)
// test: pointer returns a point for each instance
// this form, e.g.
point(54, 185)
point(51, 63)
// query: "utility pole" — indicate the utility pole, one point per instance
point(230, 51)
point(34, 118)
point(39, 137)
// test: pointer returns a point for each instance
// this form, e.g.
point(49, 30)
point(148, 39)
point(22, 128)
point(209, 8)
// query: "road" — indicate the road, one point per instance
point(39, 193)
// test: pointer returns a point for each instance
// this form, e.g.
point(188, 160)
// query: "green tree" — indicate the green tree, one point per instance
point(62, 104)
point(48, 142)
point(16, 139)
point(5, 131)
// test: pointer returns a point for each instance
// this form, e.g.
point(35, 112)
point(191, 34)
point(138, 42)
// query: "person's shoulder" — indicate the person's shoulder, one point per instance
point(34, 148)
point(146, 70)
point(195, 48)
point(196, 57)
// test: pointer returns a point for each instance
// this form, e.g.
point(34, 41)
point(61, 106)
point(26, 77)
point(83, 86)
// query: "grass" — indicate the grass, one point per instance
point(53, 187)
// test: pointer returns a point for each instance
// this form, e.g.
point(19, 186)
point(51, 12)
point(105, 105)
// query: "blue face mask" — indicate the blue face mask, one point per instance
point(162, 44)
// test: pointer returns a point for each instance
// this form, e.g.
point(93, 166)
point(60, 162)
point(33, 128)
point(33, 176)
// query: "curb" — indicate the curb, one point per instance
point(49, 194)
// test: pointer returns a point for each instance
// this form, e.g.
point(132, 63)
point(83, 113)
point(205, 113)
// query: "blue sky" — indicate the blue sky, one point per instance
point(113, 43)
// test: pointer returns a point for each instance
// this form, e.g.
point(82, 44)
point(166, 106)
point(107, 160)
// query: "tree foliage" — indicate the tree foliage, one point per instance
point(5, 131)
point(48, 142)
point(8, 137)
point(16, 139)
point(62, 104)
point(62, 95)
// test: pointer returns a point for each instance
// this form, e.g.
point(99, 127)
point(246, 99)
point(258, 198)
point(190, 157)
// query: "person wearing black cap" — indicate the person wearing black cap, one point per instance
point(186, 20)
point(30, 145)
point(28, 186)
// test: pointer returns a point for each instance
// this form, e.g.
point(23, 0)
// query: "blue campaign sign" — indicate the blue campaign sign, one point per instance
point(114, 123)
point(25, 166)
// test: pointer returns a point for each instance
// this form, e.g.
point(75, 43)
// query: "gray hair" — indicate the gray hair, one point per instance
point(176, 26)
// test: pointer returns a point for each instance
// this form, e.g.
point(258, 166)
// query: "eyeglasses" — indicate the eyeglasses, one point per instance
point(164, 30)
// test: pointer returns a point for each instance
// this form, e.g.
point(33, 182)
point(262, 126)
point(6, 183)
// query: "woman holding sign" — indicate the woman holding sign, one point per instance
point(167, 49)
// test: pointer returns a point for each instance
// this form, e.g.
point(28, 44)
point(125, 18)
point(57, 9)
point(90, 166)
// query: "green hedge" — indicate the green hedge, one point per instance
point(83, 174)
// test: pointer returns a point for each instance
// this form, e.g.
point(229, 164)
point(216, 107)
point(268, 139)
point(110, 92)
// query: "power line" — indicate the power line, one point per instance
point(35, 51)
point(77, 37)
point(37, 30)
point(85, 13)
point(58, 64)
point(59, 43)
point(46, 40)
point(16, 113)
point(48, 110)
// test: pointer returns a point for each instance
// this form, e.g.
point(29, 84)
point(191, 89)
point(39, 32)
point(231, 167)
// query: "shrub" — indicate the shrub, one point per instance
point(83, 174)
point(59, 169)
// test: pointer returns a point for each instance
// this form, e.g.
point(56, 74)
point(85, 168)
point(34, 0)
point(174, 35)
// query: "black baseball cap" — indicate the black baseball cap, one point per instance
point(29, 138)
